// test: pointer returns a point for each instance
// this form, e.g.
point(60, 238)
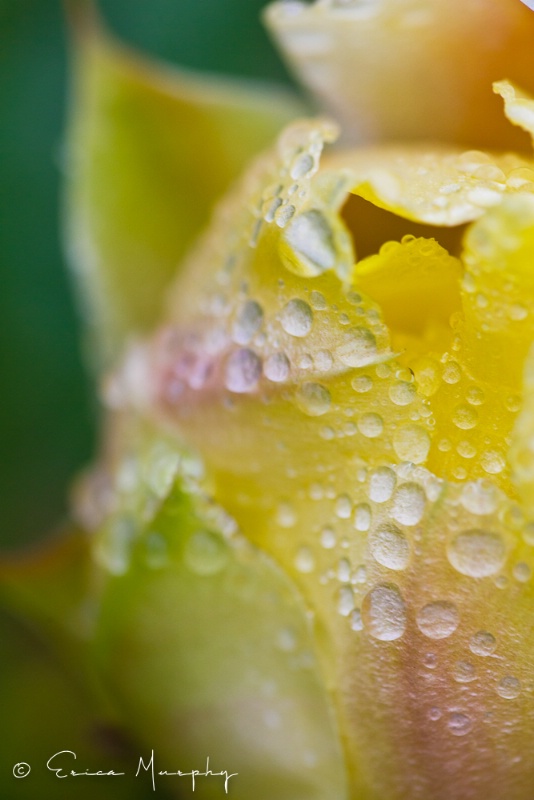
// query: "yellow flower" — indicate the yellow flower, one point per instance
point(312, 519)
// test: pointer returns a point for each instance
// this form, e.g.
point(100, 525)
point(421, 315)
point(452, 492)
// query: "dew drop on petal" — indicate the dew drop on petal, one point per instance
point(243, 371)
point(345, 604)
point(411, 443)
point(477, 553)
point(297, 318)
point(464, 672)
point(356, 621)
point(371, 425)
point(438, 620)
point(313, 399)
point(362, 517)
point(276, 367)
point(459, 724)
point(408, 504)
point(384, 613)
point(509, 688)
point(304, 560)
point(389, 547)
point(248, 322)
point(381, 484)
point(483, 644)
point(206, 553)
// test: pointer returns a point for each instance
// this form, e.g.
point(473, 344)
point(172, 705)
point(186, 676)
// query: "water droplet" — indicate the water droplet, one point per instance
point(381, 484)
point(115, 545)
point(276, 367)
point(318, 301)
point(362, 517)
point(302, 165)
point(408, 504)
point(206, 553)
point(358, 348)
point(286, 640)
point(356, 621)
point(371, 425)
point(477, 553)
point(459, 724)
point(390, 547)
point(328, 537)
point(475, 396)
point(297, 318)
point(243, 371)
point(509, 688)
point(345, 601)
point(464, 672)
point(343, 570)
point(430, 660)
point(483, 644)
point(451, 372)
point(248, 322)
point(304, 560)
point(311, 242)
point(465, 417)
point(427, 374)
point(438, 620)
point(434, 714)
point(362, 383)
point(522, 572)
point(411, 443)
point(402, 393)
point(343, 506)
point(313, 399)
point(384, 612)
point(492, 462)
point(480, 497)
point(285, 515)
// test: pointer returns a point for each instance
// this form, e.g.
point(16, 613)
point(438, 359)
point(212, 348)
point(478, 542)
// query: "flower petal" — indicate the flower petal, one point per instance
point(149, 151)
point(393, 70)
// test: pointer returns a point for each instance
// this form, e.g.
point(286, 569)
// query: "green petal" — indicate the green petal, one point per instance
point(149, 150)
point(209, 651)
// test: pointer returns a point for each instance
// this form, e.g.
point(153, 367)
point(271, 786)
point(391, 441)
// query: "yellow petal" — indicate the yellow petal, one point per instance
point(443, 186)
point(149, 150)
point(393, 70)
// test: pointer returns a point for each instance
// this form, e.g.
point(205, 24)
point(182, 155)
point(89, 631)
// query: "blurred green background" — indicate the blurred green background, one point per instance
point(47, 417)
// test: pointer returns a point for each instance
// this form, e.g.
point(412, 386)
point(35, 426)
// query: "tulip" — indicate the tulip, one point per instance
point(305, 548)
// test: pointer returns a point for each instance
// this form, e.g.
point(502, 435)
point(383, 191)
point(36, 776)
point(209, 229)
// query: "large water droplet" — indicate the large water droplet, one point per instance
point(297, 318)
point(313, 399)
point(438, 620)
point(311, 244)
point(206, 553)
point(477, 553)
point(358, 348)
point(243, 371)
point(480, 497)
point(408, 504)
point(384, 612)
point(390, 547)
